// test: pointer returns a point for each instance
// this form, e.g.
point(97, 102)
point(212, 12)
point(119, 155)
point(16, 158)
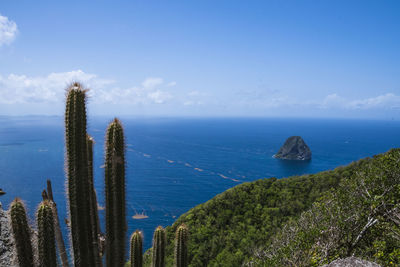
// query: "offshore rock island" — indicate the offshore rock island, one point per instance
point(294, 149)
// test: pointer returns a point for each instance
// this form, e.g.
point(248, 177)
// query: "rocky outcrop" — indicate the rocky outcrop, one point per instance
point(6, 241)
point(351, 262)
point(294, 149)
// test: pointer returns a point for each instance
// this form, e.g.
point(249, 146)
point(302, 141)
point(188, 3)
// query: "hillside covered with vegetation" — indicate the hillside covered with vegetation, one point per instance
point(245, 223)
point(360, 217)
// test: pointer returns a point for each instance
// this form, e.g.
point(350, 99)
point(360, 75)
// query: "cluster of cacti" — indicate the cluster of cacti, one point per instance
point(159, 245)
point(83, 208)
point(115, 194)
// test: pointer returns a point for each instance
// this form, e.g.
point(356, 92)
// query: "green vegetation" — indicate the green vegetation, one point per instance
point(21, 233)
point(361, 217)
point(115, 194)
point(227, 229)
point(46, 239)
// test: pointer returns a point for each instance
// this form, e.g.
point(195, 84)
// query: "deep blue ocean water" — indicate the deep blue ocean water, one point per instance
point(176, 164)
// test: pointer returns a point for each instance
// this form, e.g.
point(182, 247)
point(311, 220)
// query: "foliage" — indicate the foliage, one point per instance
point(226, 229)
point(361, 217)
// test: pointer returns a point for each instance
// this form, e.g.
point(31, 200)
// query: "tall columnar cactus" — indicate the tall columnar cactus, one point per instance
point(22, 233)
point(115, 194)
point(94, 216)
point(159, 247)
point(77, 172)
point(181, 246)
point(46, 238)
point(57, 228)
point(136, 249)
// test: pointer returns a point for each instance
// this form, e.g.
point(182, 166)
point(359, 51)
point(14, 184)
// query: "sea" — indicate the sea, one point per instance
point(174, 164)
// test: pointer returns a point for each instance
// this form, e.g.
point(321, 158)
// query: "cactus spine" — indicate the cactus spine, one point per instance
point(77, 172)
point(22, 233)
point(181, 246)
point(94, 216)
point(159, 247)
point(115, 194)
point(46, 238)
point(136, 249)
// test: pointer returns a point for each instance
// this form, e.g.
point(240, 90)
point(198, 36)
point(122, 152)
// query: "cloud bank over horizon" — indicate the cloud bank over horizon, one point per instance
point(16, 90)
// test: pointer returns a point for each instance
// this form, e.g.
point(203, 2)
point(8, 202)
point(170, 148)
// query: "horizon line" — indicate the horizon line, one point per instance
point(143, 116)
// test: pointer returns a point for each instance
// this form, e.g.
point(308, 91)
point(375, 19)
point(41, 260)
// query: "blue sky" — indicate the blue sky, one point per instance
point(203, 58)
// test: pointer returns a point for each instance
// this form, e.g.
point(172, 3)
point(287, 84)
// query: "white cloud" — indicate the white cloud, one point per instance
point(192, 103)
point(388, 100)
point(171, 84)
point(193, 98)
point(116, 95)
point(188, 103)
point(385, 101)
point(131, 96)
point(147, 93)
point(8, 30)
point(159, 97)
point(194, 93)
point(22, 89)
point(279, 101)
point(152, 82)
point(16, 89)
point(50, 89)
point(333, 101)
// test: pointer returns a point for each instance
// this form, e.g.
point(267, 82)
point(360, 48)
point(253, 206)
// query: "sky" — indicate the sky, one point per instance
point(321, 58)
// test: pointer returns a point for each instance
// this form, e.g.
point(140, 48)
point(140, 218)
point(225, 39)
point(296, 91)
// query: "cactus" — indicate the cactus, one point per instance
point(181, 246)
point(22, 233)
point(77, 173)
point(159, 247)
point(115, 194)
point(136, 249)
point(94, 216)
point(49, 190)
point(57, 228)
point(46, 238)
